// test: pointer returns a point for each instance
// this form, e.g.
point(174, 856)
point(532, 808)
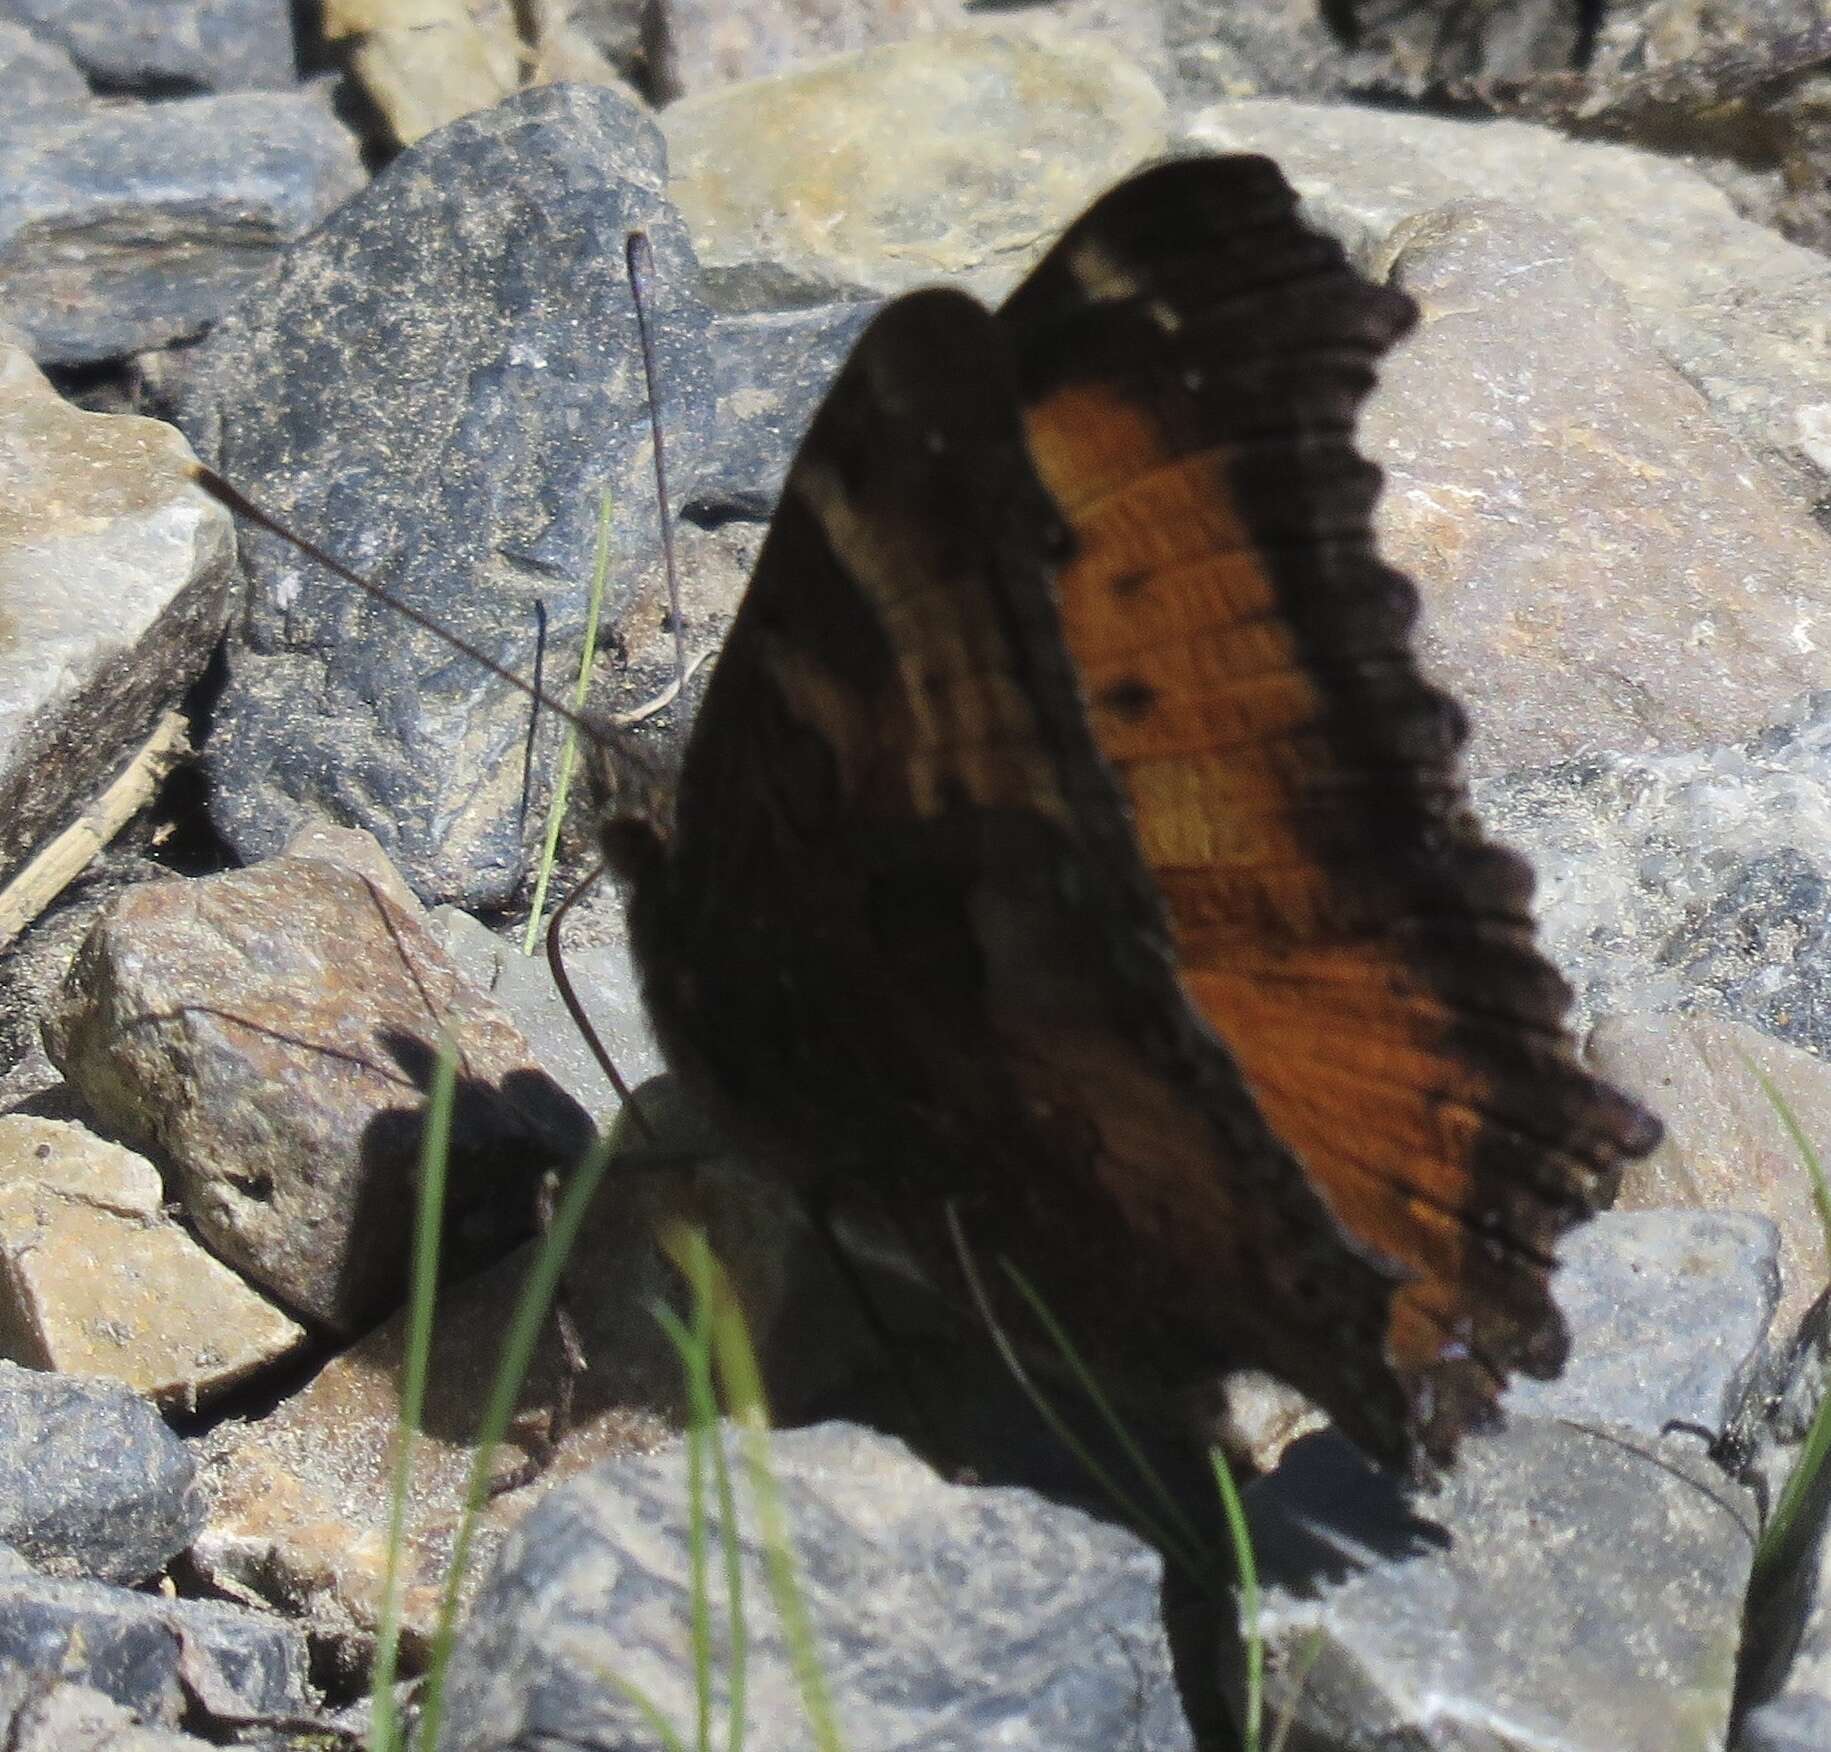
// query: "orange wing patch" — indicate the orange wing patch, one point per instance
point(1364, 956)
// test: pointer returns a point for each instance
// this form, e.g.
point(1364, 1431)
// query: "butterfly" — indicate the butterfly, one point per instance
point(1068, 854)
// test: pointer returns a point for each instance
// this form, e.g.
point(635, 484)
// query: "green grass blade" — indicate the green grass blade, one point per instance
point(743, 1384)
point(1247, 1569)
point(1774, 1542)
point(422, 1296)
point(658, 1723)
point(525, 1325)
point(568, 748)
point(1815, 1168)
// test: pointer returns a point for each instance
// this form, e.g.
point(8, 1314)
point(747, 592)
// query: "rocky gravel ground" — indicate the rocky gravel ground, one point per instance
point(262, 845)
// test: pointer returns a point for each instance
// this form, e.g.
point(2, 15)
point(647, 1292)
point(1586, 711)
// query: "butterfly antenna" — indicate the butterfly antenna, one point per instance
point(641, 261)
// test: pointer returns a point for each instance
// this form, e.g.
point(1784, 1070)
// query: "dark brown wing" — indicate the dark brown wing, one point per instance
point(902, 934)
point(1310, 1108)
point(1192, 359)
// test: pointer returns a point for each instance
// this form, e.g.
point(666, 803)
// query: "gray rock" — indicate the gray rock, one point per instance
point(40, 1713)
point(165, 1660)
point(92, 1483)
point(1734, 307)
point(1601, 567)
point(772, 371)
point(1669, 1314)
point(1677, 880)
point(1473, 1616)
point(798, 189)
point(270, 1033)
point(605, 978)
point(947, 1617)
point(126, 227)
point(115, 577)
point(170, 46)
point(1787, 1724)
point(36, 75)
point(437, 385)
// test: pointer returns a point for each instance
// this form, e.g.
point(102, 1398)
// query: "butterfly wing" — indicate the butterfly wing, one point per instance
point(1192, 357)
point(1085, 852)
point(902, 934)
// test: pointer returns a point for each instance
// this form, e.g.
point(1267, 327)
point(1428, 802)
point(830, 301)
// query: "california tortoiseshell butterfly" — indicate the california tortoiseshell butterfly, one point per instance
point(1068, 836)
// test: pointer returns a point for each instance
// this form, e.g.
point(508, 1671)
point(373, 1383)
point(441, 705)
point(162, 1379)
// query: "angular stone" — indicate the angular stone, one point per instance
point(96, 1280)
point(1726, 1147)
point(166, 1660)
point(166, 47)
point(1669, 1313)
point(36, 75)
point(438, 386)
point(271, 1032)
point(772, 371)
point(1738, 310)
point(114, 578)
point(1600, 566)
point(124, 228)
point(941, 1615)
point(1564, 1589)
point(92, 1483)
point(605, 978)
point(424, 63)
point(798, 189)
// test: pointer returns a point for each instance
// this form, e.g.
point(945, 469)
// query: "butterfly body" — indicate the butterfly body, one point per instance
point(1067, 839)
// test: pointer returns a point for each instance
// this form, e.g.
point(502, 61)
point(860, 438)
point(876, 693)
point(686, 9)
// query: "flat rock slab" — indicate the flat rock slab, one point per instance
point(128, 227)
point(438, 386)
point(36, 75)
point(114, 584)
point(38, 1716)
point(92, 1483)
point(167, 45)
point(1567, 1589)
point(271, 1033)
point(942, 1616)
point(798, 189)
point(95, 1278)
point(168, 1661)
point(1669, 1313)
point(605, 978)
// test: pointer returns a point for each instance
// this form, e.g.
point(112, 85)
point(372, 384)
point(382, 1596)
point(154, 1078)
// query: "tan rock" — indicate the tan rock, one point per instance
point(95, 1279)
point(427, 62)
point(957, 154)
point(271, 1032)
point(1726, 1147)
